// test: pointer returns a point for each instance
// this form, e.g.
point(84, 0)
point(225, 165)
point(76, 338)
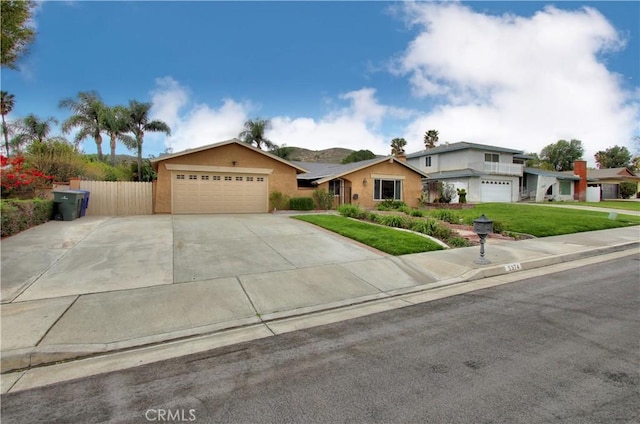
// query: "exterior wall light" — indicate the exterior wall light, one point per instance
point(482, 227)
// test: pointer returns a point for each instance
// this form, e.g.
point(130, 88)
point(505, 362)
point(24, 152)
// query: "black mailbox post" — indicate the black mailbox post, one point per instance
point(482, 227)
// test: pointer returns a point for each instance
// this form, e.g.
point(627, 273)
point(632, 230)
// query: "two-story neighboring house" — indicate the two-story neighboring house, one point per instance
point(487, 173)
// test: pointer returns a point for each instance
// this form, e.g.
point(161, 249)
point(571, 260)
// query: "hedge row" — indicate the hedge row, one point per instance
point(19, 215)
point(302, 203)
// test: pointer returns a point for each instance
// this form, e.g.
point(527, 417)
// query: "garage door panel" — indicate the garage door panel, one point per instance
point(495, 191)
point(201, 192)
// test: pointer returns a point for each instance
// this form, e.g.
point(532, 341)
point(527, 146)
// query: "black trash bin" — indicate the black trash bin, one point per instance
point(68, 204)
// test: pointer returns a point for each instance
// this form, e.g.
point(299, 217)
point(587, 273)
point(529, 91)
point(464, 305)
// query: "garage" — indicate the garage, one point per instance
point(495, 191)
point(219, 192)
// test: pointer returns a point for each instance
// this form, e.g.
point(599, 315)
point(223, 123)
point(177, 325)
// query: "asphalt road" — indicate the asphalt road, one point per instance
point(559, 348)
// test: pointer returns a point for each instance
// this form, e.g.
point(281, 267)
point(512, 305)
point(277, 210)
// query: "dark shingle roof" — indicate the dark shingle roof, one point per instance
point(462, 145)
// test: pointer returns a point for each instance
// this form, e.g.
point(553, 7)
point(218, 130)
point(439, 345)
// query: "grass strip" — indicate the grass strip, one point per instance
point(388, 240)
point(541, 221)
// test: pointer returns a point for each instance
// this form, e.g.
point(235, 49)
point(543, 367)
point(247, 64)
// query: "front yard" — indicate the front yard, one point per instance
point(511, 219)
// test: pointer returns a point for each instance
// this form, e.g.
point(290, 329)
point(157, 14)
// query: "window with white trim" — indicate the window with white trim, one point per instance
point(387, 189)
point(565, 188)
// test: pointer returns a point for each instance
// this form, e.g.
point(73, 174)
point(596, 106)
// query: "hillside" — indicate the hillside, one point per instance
point(334, 155)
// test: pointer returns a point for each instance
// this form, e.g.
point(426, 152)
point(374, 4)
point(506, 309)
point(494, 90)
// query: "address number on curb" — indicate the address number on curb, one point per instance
point(513, 267)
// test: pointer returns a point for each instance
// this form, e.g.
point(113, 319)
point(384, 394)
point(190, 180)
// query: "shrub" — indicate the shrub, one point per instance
point(447, 192)
point(301, 203)
point(350, 211)
point(446, 215)
point(628, 189)
point(18, 182)
point(393, 221)
point(498, 227)
point(323, 199)
point(370, 216)
point(462, 195)
point(19, 215)
point(390, 204)
point(427, 227)
point(442, 232)
point(416, 212)
point(278, 200)
point(458, 242)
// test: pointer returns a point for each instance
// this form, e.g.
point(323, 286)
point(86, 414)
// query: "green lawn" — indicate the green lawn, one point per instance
point(541, 221)
point(612, 204)
point(388, 240)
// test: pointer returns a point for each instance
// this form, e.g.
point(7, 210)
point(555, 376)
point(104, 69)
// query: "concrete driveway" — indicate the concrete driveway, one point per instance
point(105, 254)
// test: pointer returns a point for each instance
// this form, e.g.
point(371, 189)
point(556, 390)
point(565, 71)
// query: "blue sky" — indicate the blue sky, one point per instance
point(347, 74)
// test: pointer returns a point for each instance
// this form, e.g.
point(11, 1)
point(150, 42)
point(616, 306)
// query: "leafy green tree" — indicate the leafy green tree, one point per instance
point(283, 151)
point(55, 156)
point(613, 157)
point(562, 154)
point(35, 129)
point(87, 115)
point(6, 106)
point(430, 139)
point(628, 189)
point(114, 123)
point(138, 122)
point(358, 156)
point(397, 146)
point(254, 133)
point(17, 34)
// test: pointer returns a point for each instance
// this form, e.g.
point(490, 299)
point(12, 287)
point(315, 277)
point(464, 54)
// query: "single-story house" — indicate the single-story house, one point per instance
point(609, 180)
point(539, 185)
point(234, 177)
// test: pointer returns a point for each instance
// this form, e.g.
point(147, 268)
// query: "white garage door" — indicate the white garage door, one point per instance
point(495, 191)
point(209, 192)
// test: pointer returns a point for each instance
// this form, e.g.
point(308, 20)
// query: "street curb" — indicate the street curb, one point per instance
point(25, 358)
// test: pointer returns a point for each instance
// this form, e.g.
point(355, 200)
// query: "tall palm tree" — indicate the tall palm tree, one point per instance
point(87, 116)
point(253, 133)
point(138, 123)
point(6, 106)
point(397, 146)
point(36, 129)
point(114, 121)
point(430, 139)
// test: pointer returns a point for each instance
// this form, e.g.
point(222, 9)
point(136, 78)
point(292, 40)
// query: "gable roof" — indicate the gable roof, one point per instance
point(613, 173)
point(462, 145)
point(323, 172)
point(559, 175)
point(156, 161)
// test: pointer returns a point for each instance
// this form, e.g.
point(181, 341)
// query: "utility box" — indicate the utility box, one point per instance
point(68, 204)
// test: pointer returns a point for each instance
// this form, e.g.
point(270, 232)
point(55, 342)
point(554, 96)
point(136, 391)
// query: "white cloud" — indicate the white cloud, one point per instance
point(356, 125)
point(515, 81)
point(200, 124)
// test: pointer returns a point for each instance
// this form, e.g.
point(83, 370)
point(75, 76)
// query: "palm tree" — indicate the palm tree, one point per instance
point(87, 116)
point(254, 133)
point(6, 106)
point(36, 129)
point(138, 123)
point(430, 139)
point(114, 121)
point(397, 146)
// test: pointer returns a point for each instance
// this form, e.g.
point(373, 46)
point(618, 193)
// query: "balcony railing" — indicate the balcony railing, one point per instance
point(499, 168)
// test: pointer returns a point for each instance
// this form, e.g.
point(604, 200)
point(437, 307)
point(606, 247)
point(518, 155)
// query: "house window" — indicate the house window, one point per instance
point(387, 189)
point(427, 161)
point(180, 177)
point(565, 188)
point(491, 157)
point(334, 187)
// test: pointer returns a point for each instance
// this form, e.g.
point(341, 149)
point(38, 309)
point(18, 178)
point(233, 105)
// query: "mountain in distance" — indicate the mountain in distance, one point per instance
point(333, 155)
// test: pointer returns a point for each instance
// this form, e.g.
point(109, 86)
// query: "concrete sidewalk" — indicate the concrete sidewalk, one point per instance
point(40, 328)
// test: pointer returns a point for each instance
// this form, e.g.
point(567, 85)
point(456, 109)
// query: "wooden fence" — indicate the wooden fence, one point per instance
point(117, 198)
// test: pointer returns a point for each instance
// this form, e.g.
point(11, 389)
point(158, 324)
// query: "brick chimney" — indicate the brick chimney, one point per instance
point(401, 157)
point(580, 169)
